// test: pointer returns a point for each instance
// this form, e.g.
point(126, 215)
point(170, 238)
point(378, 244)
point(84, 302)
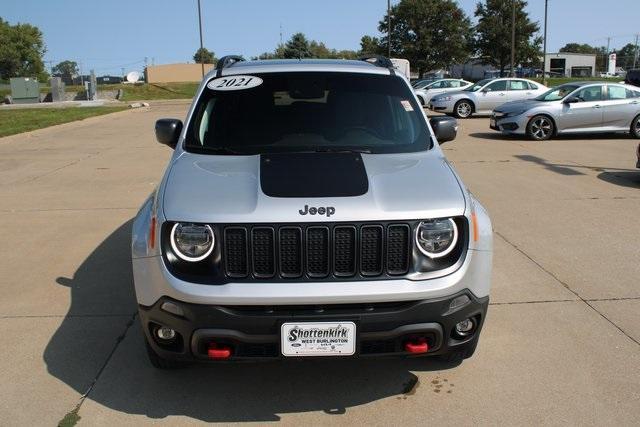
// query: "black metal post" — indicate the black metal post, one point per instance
point(389, 28)
point(513, 38)
point(544, 53)
point(201, 45)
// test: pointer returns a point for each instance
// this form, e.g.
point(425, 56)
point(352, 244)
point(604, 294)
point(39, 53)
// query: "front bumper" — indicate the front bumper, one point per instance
point(443, 107)
point(515, 125)
point(253, 332)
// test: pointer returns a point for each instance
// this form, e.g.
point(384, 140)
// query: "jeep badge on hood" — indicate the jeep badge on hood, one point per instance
point(328, 211)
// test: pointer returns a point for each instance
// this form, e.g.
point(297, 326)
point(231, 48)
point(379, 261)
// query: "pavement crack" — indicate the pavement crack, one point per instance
point(533, 302)
point(54, 316)
point(68, 209)
point(566, 286)
point(73, 416)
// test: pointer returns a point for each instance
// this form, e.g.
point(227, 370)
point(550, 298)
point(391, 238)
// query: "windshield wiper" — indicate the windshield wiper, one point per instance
point(342, 150)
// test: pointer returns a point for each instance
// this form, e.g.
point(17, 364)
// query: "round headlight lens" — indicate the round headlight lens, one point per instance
point(436, 237)
point(192, 242)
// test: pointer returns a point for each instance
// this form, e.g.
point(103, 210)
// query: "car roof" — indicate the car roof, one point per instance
point(292, 65)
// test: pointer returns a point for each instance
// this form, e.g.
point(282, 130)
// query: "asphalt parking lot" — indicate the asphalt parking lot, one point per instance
point(561, 344)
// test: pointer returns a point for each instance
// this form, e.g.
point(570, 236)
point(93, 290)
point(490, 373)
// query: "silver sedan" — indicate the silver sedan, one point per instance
point(588, 107)
point(439, 87)
point(484, 96)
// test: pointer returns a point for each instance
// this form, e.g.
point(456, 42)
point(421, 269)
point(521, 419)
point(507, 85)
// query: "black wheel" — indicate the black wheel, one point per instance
point(160, 362)
point(463, 109)
point(421, 100)
point(540, 128)
point(635, 127)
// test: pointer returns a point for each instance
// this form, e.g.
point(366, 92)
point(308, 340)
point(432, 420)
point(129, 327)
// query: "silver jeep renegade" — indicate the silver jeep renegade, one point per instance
point(308, 211)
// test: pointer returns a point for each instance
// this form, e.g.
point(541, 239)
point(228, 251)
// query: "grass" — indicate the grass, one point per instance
point(13, 121)
point(556, 81)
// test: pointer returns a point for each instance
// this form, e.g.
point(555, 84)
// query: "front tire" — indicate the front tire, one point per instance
point(421, 100)
point(463, 109)
point(635, 127)
point(540, 128)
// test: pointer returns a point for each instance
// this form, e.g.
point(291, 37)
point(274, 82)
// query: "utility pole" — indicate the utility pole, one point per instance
point(513, 38)
point(201, 45)
point(635, 54)
point(389, 28)
point(544, 53)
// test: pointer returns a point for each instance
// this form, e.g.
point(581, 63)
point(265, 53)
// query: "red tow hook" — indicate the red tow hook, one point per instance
point(417, 346)
point(218, 352)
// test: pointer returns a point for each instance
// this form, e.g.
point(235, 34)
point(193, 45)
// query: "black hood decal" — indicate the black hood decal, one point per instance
point(313, 175)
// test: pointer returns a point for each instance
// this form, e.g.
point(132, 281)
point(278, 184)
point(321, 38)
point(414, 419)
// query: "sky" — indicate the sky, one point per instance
point(110, 35)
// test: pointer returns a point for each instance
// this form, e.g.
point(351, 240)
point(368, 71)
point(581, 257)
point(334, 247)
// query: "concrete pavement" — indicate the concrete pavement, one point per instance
point(561, 344)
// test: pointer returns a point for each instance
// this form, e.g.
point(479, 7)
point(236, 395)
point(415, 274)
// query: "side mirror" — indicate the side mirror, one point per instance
point(168, 131)
point(445, 128)
point(572, 100)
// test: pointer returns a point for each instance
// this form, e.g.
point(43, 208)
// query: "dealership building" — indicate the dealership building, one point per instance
point(571, 64)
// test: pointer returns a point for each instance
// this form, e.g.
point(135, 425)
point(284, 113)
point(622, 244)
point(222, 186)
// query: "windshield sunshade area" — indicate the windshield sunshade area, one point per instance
point(476, 87)
point(308, 111)
point(557, 93)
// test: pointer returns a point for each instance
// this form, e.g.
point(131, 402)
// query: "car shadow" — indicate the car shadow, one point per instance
point(617, 176)
point(124, 381)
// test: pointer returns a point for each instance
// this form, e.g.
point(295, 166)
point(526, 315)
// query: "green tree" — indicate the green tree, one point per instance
point(371, 45)
point(625, 56)
point(493, 34)
point(204, 55)
point(21, 51)
point(297, 47)
point(431, 34)
point(66, 69)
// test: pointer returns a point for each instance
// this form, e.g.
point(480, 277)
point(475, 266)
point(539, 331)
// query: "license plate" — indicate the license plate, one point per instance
point(492, 123)
point(318, 339)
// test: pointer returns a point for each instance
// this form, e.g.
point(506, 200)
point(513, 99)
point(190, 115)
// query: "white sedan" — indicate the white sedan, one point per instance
point(439, 87)
point(484, 96)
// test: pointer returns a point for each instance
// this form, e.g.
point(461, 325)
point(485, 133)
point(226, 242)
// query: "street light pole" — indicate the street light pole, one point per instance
point(201, 45)
point(544, 53)
point(389, 28)
point(513, 38)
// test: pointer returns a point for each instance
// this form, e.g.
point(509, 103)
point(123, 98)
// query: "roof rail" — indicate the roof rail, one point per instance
point(226, 61)
point(377, 60)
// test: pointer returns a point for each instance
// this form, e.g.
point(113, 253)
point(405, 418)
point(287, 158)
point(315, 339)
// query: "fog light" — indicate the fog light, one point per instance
point(165, 333)
point(465, 327)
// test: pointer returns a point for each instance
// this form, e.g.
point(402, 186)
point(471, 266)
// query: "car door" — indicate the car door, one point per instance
point(620, 107)
point(518, 90)
point(492, 95)
point(585, 114)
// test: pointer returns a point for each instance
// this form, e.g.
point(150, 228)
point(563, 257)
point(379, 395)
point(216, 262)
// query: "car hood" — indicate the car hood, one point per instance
point(229, 189)
point(513, 106)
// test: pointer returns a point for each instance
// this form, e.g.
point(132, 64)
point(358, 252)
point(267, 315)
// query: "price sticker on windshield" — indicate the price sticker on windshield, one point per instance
point(407, 105)
point(234, 83)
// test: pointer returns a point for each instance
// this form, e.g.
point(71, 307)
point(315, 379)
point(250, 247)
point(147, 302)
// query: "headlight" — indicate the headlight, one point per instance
point(443, 98)
point(192, 242)
point(436, 237)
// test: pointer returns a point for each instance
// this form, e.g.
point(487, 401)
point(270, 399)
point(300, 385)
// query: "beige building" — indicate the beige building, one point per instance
point(170, 73)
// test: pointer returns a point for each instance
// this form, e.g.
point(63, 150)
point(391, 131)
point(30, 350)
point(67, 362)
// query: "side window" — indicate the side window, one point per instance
point(633, 93)
point(518, 85)
point(454, 83)
point(437, 85)
point(616, 92)
point(497, 86)
point(590, 94)
point(533, 87)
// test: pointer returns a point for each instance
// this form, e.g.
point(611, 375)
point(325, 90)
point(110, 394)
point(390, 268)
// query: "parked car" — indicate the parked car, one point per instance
point(589, 107)
point(633, 77)
point(439, 87)
point(308, 210)
point(484, 96)
point(420, 83)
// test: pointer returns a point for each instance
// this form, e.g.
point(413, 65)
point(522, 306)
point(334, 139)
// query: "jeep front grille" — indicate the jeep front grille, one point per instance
point(308, 252)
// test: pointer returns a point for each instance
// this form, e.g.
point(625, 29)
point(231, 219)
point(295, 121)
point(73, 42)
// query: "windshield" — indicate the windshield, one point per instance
point(557, 93)
point(308, 111)
point(476, 87)
point(422, 84)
